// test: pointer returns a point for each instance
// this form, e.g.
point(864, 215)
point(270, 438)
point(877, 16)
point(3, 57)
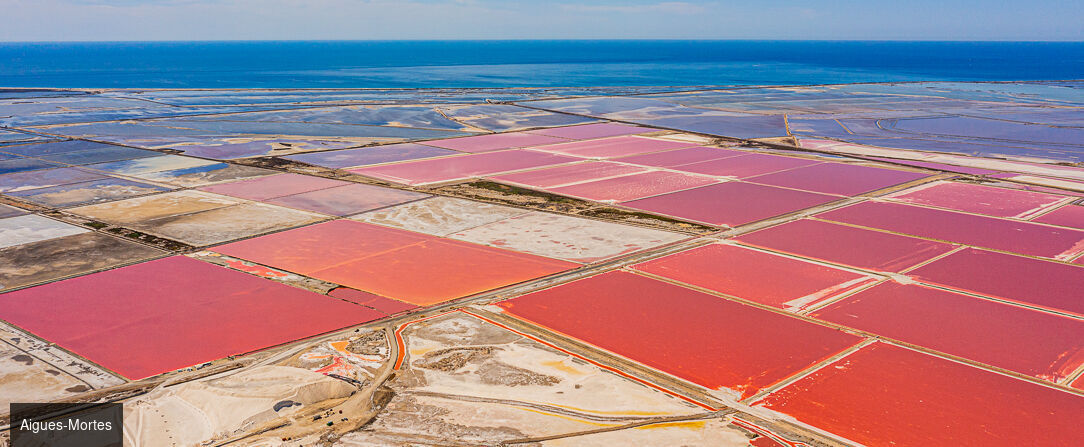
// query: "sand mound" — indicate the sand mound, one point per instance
point(191, 413)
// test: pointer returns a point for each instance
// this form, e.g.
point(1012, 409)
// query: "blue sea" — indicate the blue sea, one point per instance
point(416, 64)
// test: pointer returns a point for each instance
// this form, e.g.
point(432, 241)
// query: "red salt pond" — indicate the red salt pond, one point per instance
point(837, 178)
point(1066, 216)
point(411, 267)
point(462, 167)
point(1008, 235)
point(778, 281)
point(272, 186)
point(613, 147)
point(487, 143)
point(586, 131)
point(320, 246)
point(748, 165)
point(1035, 282)
point(439, 270)
point(1039, 344)
point(980, 199)
point(842, 244)
point(172, 313)
point(386, 305)
point(698, 337)
point(678, 157)
point(567, 174)
point(888, 395)
point(631, 187)
point(730, 203)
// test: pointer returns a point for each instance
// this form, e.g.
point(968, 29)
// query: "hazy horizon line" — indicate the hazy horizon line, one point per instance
point(548, 40)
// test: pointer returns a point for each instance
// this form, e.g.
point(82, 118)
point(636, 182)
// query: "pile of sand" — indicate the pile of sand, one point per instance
point(216, 408)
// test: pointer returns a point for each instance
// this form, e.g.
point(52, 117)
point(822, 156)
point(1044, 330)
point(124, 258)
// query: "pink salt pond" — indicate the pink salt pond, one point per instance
point(588, 131)
point(847, 245)
point(753, 275)
point(568, 174)
point(494, 142)
point(972, 198)
point(1001, 234)
point(613, 147)
point(635, 186)
point(463, 167)
point(680, 157)
point(746, 165)
point(837, 178)
point(730, 203)
point(1039, 344)
point(1066, 216)
point(1033, 282)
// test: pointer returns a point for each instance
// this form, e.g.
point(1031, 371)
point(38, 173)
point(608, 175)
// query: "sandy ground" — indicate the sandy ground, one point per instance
point(439, 216)
point(215, 409)
point(468, 382)
point(463, 382)
point(35, 371)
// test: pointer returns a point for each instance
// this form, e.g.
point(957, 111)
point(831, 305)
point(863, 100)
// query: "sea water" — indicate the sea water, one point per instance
point(533, 63)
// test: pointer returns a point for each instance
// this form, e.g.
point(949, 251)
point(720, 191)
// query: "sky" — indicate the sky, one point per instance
point(127, 20)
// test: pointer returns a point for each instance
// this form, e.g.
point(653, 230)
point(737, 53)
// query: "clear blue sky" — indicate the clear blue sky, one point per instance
point(65, 20)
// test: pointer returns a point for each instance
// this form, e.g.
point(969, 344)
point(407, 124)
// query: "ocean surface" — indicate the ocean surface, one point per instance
point(416, 64)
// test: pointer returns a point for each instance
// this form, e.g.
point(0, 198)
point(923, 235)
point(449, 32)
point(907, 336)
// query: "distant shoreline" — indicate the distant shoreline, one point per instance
point(675, 88)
